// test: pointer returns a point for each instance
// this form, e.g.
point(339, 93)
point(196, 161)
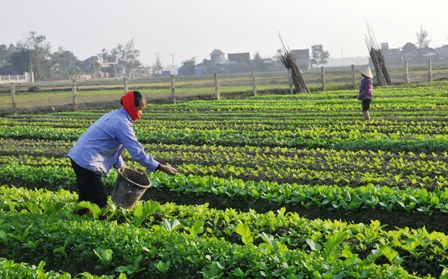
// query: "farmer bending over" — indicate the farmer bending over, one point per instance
point(99, 149)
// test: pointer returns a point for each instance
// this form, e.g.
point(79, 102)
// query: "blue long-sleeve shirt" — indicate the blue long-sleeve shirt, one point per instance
point(99, 148)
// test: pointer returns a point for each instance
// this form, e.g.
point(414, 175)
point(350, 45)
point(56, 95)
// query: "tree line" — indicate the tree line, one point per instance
point(34, 54)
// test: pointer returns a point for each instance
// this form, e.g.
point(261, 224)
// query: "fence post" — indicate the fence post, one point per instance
point(406, 72)
point(173, 89)
point(291, 88)
point(125, 85)
point(218, 97)
point(323, 77)
point(254, 84)
point(74, 104)
point(353, 76)
point(12, 87)
point(430, 69)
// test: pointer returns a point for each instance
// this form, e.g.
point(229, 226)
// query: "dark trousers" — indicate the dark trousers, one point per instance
point(366, 104)
point(90, 186)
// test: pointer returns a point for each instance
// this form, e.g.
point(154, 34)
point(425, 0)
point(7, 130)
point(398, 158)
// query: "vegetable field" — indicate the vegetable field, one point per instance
point(271, 186)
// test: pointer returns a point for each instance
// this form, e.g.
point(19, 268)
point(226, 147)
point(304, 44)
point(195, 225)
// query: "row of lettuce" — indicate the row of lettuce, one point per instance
point(155, 238)
point(12, 269)
point(425, 137)
point(276, 164)
point(348, 198)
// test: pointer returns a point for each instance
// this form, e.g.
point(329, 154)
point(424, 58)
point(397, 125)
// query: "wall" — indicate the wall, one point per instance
point(26, 77)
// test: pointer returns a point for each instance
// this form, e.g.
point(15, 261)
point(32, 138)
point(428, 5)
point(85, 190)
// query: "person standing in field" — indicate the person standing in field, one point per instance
point(100, 147)
point(366, 91)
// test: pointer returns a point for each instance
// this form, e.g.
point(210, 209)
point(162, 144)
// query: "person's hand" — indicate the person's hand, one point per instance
point(168, 170)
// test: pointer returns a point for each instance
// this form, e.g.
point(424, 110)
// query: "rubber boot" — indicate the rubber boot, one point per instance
point(83, 211)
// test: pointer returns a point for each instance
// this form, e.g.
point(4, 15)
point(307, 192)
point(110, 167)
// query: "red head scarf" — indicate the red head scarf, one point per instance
point(129, 105)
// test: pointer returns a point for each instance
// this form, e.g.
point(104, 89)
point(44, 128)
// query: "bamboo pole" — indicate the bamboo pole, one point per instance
point(254, 84)
point(353, 76)
point(125, 85)
point(290, 63)
point(173, 89)
point(74, 104)
point(429, 69)
point(406, 71)
point(290, 81)
point(12, 87)
point(323, 77)
point(218, 97)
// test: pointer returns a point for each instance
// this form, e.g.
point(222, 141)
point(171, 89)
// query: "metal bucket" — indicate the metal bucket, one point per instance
point(129, 187)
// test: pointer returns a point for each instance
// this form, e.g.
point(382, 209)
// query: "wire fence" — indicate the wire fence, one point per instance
point(101, 93)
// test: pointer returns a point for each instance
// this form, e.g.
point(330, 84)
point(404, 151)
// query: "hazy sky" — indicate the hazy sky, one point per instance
point(178, 30)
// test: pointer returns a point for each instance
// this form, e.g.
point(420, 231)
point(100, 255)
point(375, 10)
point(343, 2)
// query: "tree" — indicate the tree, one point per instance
point(127, 56)
point(62, 61)
point(279, 53)
point(75, 70)
point(106, 57)
point(258, 61)
point(189, 66)
point(319, 56)
point(110, 57)
point(33, 54)
point(21, 61)
point(422, 42)
point(422, 38)
point(5, 54)
point(157, 66)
